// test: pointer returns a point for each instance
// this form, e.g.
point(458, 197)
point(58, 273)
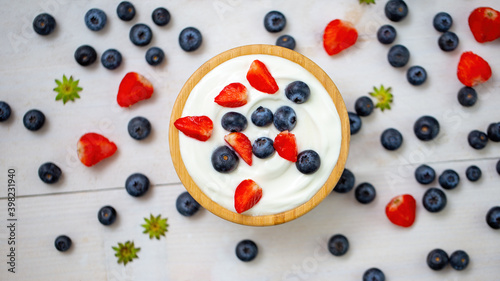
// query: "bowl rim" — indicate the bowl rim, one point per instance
point(202, 198)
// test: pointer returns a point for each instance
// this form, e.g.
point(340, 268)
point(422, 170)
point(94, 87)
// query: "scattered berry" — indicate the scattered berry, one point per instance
point(365, 193)
point(484, 23)
point(67, 89)
point(437, 259)
point(338, 245)
point(137, 184)
point(434, 200)
point(111, 59)
point(62, 243)
point(224, 159)
point(286, 146)
point(308, 162)
point(473, 173)
point(106, 215)
point(363, 106)
point(126, 252)
point(354, 122)
point(85, 55)
point(442, 22)
point(246, 195)
point(472, 69)
point(154, 56)
point(260, 78)
point(198, 127)
point(285, 118)
point(186, 205)
point(95, 19)
point(346, 182)
point(262, 116)
point(241, 144)
point(386, 34)
point(93, 148)
point(139, 128)
point(233, 95)
point(274, 21)
point(338, 36)
point(161, 16)
point(391, 139)
point(425, 174)
point(449, 179)
point(498, 167)
point(459, 260)
point(373, 274)
point(398, 56)
point(467, 96)
point(263, 147)
point(33, 120)
point(416, 75)
point(401, 210)
point(286, 41)
point(298, 92)
point(384, 97)
point(44, 24)
point(448, 41)
point(426, 128)
point(234, 122)
point(125, 11)
point(5, 111)
point(133, 88)
point(493, 216)
point(155, 226)
point(396, 10)
point(140, 34)
point(190, 39)
point(493, 131)
point(246, 250)
point(49, 173)
point(477, 139)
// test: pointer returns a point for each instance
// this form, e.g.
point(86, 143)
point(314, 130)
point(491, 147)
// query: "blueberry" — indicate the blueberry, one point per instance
point(459, 260)
point(33, 120)
point(365, 193)
point(426, 128)
point(416, 75)
point(308, 162)
point(44, 24)
point(373, 274)
point(286, 41)
point(363, 106)
point(234, 122)
point(106, 215)
point(434, 200)
point(354, 122)
point(262, 116)
point(449, 179)
point(137, 184)
point(425, 174)
point(186, 205)
point(467, 96)
point(442, 21)
point(396, 10)
point(125, 11)
point(190, 39)
point(448, 41)
point(338, 245)
point(498, 167)
point(49, 172)
point(386, 34)
point(437, 259)
point(274, 21)
point(473, 173)
point(140, 34)
point(161, 16)
point(477, 139)
point(493, 131)
point(224, 159)
point(154, 56)
point(391, 139)
point(493, 217)
point(139, 128)
point(4, 111)
point(298, 92)
point(263, 147)
point(95, 19)
point(111, 59)
point(398, 56)
point(62, 243)
point(346, 182)
point(85, 55)
point(246, 250)
point(285, 118)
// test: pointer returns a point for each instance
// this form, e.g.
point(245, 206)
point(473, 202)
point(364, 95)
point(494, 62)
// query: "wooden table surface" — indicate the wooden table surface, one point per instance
point(202, 247)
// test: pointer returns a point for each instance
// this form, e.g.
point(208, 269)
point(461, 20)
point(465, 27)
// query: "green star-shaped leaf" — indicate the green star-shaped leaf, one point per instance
point(383, 96)
point(126, 252)
point(155, 226)
point(368, 2)
point(67, 89)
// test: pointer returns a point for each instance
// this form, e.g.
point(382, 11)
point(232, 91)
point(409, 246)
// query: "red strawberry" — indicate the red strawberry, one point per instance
point(401, 210)
point(198, 127)
point(473, 69)
point(241, 144)
point(286, 146)
point(484, 22)
point(92, 148)
point(247, 194)
point(261, 79)
point(133, 88)
point(338, 36)
point(233, 95)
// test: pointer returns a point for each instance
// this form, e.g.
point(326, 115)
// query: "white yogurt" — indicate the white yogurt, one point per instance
point(283, 186)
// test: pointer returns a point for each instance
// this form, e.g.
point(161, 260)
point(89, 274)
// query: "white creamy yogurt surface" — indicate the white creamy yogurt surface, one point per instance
point(283, 186)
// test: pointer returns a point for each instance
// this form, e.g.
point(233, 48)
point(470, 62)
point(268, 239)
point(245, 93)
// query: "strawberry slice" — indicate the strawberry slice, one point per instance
point(133, 88)
point(260, 78)
point(233, 95)
point(241, 144)
point(247, 194)
point(473, 69)
point(484, 23)
point(92, 148)
point(401, 210)
point(338, 36)
point(286, 146)
point(197, 127)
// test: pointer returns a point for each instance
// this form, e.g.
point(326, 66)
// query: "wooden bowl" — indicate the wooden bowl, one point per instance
point(203, 199)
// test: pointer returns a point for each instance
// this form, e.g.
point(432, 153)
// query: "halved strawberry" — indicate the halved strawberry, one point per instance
point(93, 147)
point(233, 95)
point(338, 36)
point(133, 88)
point(247, 194)
point(260, 78)
point(286, 146)
point(473, 70)
point(197, 127)
point(241, 144)
point(484, 23)
point(401, 210)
